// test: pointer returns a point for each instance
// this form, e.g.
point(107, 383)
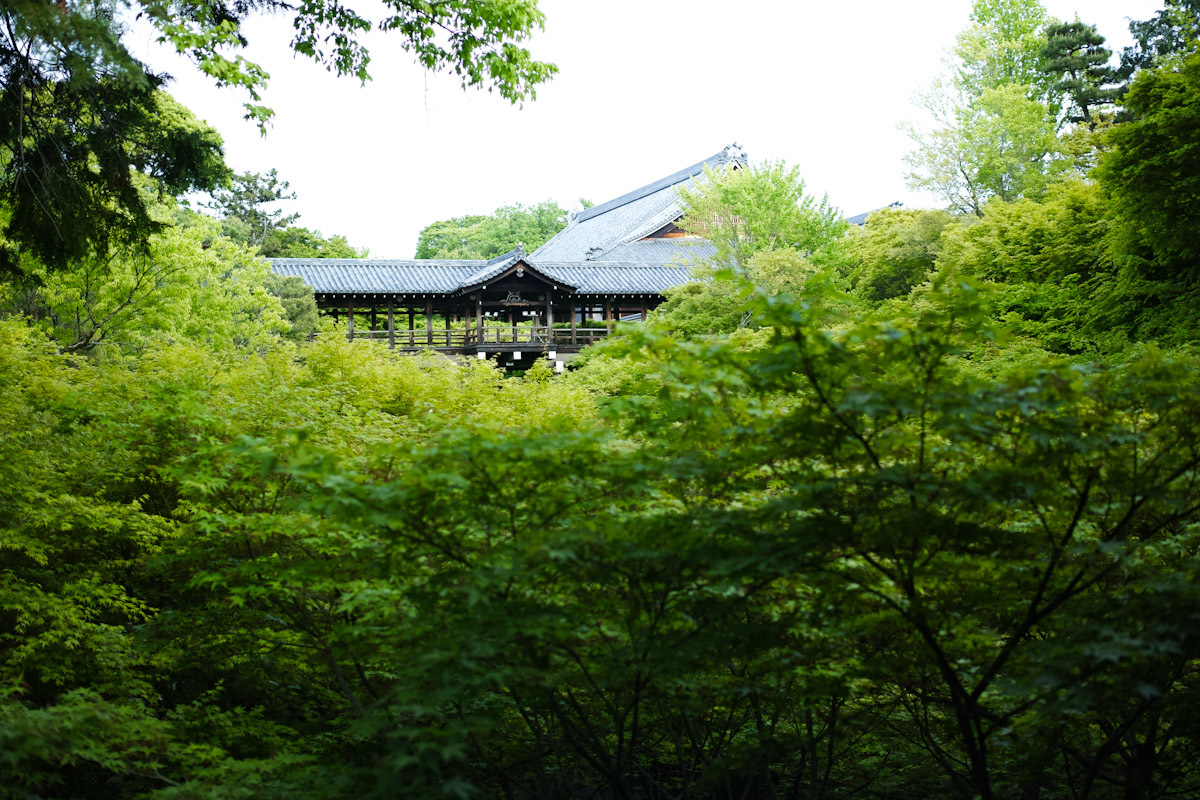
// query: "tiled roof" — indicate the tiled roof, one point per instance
point(349, 275)
point(687, 250)
point(373, 276)
point(629, 217)
point(494, 267)
point(601, 277)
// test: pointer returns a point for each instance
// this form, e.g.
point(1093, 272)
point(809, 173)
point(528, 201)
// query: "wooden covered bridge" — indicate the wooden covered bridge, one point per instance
point(612, 262)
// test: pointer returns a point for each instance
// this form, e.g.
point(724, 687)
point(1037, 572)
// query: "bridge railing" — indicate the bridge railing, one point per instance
point(437, 338)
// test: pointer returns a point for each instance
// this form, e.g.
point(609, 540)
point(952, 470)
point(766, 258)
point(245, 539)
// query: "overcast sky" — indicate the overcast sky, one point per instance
point(645, 88)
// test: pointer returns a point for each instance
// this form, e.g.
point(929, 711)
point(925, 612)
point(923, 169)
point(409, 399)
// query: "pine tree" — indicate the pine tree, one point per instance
point(1075, 55)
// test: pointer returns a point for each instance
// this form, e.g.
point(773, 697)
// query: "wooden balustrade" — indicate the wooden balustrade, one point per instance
point(422, 338)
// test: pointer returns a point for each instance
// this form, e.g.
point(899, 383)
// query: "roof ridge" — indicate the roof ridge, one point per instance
point(517, 253)
point(730, 153)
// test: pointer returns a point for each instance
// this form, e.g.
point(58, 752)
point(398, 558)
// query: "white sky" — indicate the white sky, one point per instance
point(645, 88)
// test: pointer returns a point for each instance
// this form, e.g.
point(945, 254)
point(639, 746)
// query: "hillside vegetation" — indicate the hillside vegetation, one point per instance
point(905, 510)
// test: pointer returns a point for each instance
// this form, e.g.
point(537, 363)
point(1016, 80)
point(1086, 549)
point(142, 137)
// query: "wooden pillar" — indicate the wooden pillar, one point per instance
point(391, 327)
point(349, 323)
point(573, 315)
point(374, 320)
point(446, 315)
point(411, 341)
point(608, 313)
point(429, 321)
point(479, 321)
point(549, 317)
point(643, 310)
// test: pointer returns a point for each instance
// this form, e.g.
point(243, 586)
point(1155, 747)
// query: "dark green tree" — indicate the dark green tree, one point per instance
point(78, 117)
point(1174, 29)
point(1074, 55)
point(77, 111)
point(1152, 171)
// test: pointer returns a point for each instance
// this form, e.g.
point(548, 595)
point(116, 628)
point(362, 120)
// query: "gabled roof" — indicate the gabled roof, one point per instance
point(520, 266)
point(593, 234)
point(494, 267)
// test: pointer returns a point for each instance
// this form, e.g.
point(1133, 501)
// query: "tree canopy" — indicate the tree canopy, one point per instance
point(78, 112)
point(905, 510)
point(485, 236)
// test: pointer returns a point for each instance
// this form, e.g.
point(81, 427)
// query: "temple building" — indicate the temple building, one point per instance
point(612, 262)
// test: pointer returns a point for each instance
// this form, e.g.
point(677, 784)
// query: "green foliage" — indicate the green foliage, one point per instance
point(296, 242)
point(995, 131)
point(1048, 261)
point(1075, 55)
point(188, 282)
point(1174, 29)
point(895, 251)
point(249, 204)
point(298, 301)
point(1001, 144)
point(758, 208)
point(785, 540)
point(1003, 46)
point(702, 308)
point(78, 112)
point(481, 237)
point(71, 149)
point(1152, 170)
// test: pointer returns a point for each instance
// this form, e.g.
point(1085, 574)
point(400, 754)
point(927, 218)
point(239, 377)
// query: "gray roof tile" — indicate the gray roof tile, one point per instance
point(664, 251)
point(630, 216)
point(601, 277)
point(345, 275)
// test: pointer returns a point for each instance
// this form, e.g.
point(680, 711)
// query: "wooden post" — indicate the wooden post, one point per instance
point(573, 315)
point(429, 321)
point(608, 313)
point(411, 341)
point(391, 327)
point(479, 321)
point(446, 314)
point(349, 323)
point(549, 318)
point(374, 320)
point(643, 309)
